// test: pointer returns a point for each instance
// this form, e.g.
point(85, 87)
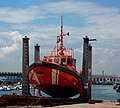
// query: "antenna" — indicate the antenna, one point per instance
point(61, 36)
point(61, 26)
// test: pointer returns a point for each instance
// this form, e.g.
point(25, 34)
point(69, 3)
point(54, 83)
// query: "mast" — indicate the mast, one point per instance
point(61, 36)
point(59, 47)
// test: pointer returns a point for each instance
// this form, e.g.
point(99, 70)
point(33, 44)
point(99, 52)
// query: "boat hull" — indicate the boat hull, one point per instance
point(54, 80)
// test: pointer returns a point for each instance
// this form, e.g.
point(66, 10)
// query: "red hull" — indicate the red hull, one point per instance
point(54, 79)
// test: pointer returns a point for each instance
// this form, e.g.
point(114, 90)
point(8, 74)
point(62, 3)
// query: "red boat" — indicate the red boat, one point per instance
point(56, 74)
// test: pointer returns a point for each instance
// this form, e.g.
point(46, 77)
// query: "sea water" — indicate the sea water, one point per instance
point(104, 92)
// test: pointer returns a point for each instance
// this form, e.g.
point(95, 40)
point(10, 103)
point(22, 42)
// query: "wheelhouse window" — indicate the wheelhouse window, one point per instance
point(74, 62)
point(56, 60)
point(50, 60)
point(63, 61)
point(69, 61)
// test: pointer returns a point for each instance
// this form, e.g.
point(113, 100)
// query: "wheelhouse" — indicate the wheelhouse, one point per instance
point(63, 60)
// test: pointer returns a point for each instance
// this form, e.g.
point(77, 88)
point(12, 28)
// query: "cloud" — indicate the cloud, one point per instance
point(107, 59)
point(20, 15)
point(7, 50)
point(10, 42)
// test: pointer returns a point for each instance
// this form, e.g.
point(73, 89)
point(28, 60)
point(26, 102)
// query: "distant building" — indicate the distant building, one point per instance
point(11, 76)
point(97, 79)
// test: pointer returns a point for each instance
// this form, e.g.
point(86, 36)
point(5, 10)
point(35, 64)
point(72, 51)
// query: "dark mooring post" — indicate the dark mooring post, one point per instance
point(89, 72)
point(87, 66)
point(85, 61)
point(36, 58)
point(25, 65)
point(36, 52)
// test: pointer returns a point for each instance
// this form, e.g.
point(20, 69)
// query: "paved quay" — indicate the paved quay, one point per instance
point(87, 105)
point(83, 105)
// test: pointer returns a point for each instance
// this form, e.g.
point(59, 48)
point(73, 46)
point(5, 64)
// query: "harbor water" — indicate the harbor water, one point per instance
point(104, 92)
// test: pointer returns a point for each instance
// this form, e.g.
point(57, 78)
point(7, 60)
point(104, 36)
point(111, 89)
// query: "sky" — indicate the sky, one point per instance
point(40, 21)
